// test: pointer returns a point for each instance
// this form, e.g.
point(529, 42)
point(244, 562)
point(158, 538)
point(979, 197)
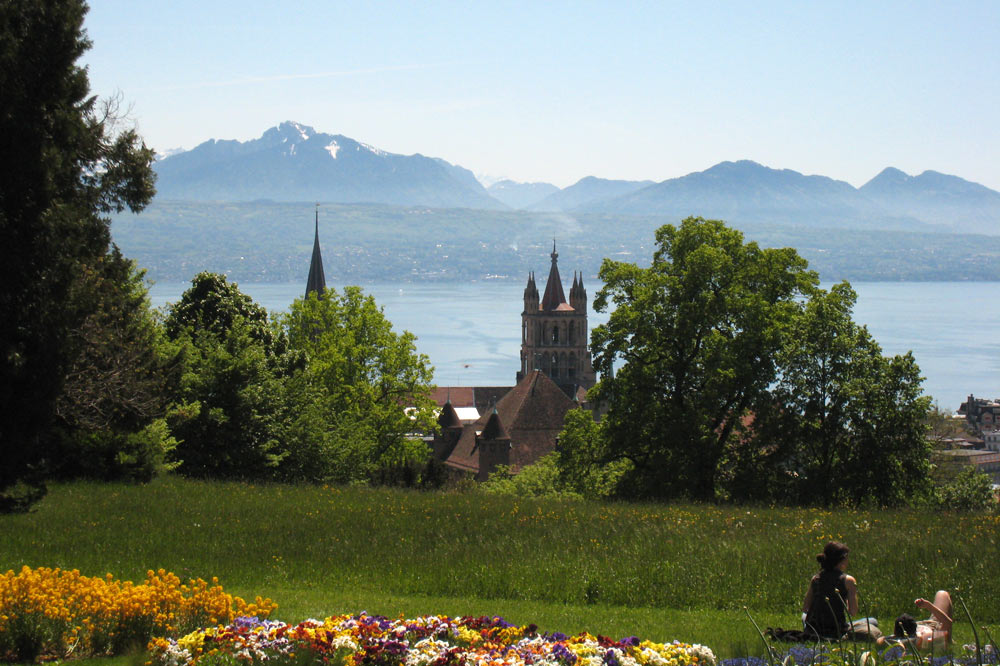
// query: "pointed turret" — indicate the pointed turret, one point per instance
point(444, 442)
point(554, 295)
point(316, 282)
point(578, 295)
point(531, 294)
point(494, 430)
point(494, 446)
point(449, 417)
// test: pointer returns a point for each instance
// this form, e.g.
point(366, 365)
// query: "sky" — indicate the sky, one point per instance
point(554, 91)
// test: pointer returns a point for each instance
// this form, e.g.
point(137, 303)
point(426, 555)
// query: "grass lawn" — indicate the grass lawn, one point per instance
point(661, 572)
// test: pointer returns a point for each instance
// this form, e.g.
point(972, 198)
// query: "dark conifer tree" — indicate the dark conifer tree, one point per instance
point(64, 165)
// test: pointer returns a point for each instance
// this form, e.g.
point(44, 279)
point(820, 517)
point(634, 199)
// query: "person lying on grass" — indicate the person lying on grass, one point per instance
point(936, 630)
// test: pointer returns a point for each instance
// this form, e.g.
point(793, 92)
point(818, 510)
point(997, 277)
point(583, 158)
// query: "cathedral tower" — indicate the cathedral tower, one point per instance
point(554, 333)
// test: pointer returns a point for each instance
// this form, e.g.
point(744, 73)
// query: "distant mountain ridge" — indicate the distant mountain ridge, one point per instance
point(745, 191)
point(935, 197)
point(520, 195)
point(588, 191)
point(292, 162)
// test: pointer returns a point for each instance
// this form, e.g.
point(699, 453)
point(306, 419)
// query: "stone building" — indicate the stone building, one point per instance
point(515, 426)
point(981, 415)
point(520, 428)
point(554, 333)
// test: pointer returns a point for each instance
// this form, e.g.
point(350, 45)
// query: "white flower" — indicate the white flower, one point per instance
point(705, 655)
point(344, 643)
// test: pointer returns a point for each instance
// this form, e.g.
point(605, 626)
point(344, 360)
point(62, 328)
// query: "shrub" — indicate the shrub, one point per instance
point(970, 490)
point(538, 480)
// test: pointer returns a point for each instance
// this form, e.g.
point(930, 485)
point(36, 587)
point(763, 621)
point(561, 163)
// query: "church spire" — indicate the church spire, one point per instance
point(316, 282)
point(554, 295)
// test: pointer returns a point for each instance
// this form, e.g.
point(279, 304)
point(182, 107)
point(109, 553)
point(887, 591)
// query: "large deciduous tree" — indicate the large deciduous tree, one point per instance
point(364, 394)
point(848, 423)
point(64, 165)
point(742, 379)
point(698, 333)
point(232, 410)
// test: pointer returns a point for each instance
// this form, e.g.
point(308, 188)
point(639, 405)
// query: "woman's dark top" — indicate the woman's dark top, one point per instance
point(828, 620)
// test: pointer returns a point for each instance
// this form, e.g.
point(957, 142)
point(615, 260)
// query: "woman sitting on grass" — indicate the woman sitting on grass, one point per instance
point(832, 596)
point(935, 630)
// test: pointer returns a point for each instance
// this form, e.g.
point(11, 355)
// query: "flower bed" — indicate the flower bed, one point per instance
point(861, 655)
point(55, 613)
point(368, 640)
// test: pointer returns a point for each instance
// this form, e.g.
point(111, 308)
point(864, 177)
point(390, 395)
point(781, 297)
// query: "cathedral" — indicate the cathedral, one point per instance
point(515, 426)
point(483, 427)
point(554, 333)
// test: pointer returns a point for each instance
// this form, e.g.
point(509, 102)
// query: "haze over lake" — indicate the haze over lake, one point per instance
point(471, 331)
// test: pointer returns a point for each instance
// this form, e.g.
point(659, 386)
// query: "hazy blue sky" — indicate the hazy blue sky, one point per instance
point(557, 91)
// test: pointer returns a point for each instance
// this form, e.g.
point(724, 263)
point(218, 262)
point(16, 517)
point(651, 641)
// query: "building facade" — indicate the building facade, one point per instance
point(982, 415)
point(554, 333)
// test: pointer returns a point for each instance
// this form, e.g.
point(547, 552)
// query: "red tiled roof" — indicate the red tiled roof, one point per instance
point(460, 396)
point(532, 413)
point(481, 397)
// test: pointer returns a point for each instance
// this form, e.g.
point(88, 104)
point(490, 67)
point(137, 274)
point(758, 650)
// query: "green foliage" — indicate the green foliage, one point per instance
point(583, 458)
point(743, 380)
point(116, 385)
point(969, 491)
point(215, 305)
point(941, 422)
point(330, 393)
point(110, 455)
point(364, 394)
point(233, 400)
point(699, 332)
point(66, 164)
point(540, 479)
point(843, 423)
point(237, 405)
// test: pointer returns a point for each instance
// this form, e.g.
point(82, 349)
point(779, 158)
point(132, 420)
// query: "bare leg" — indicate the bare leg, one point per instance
point(940, 610)
point(942, 604)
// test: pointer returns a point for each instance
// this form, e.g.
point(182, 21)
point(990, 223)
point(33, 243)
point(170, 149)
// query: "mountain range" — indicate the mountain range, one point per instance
point(293, 162)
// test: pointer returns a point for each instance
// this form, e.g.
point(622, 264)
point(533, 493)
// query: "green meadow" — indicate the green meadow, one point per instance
point(661, 572)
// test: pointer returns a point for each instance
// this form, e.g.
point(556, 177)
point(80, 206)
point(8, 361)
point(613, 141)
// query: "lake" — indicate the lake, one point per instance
point(472, 331)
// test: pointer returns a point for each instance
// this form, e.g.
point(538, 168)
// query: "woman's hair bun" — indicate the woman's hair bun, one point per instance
point(833, 554)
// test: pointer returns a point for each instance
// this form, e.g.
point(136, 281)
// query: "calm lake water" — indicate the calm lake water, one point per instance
point(471, 331)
